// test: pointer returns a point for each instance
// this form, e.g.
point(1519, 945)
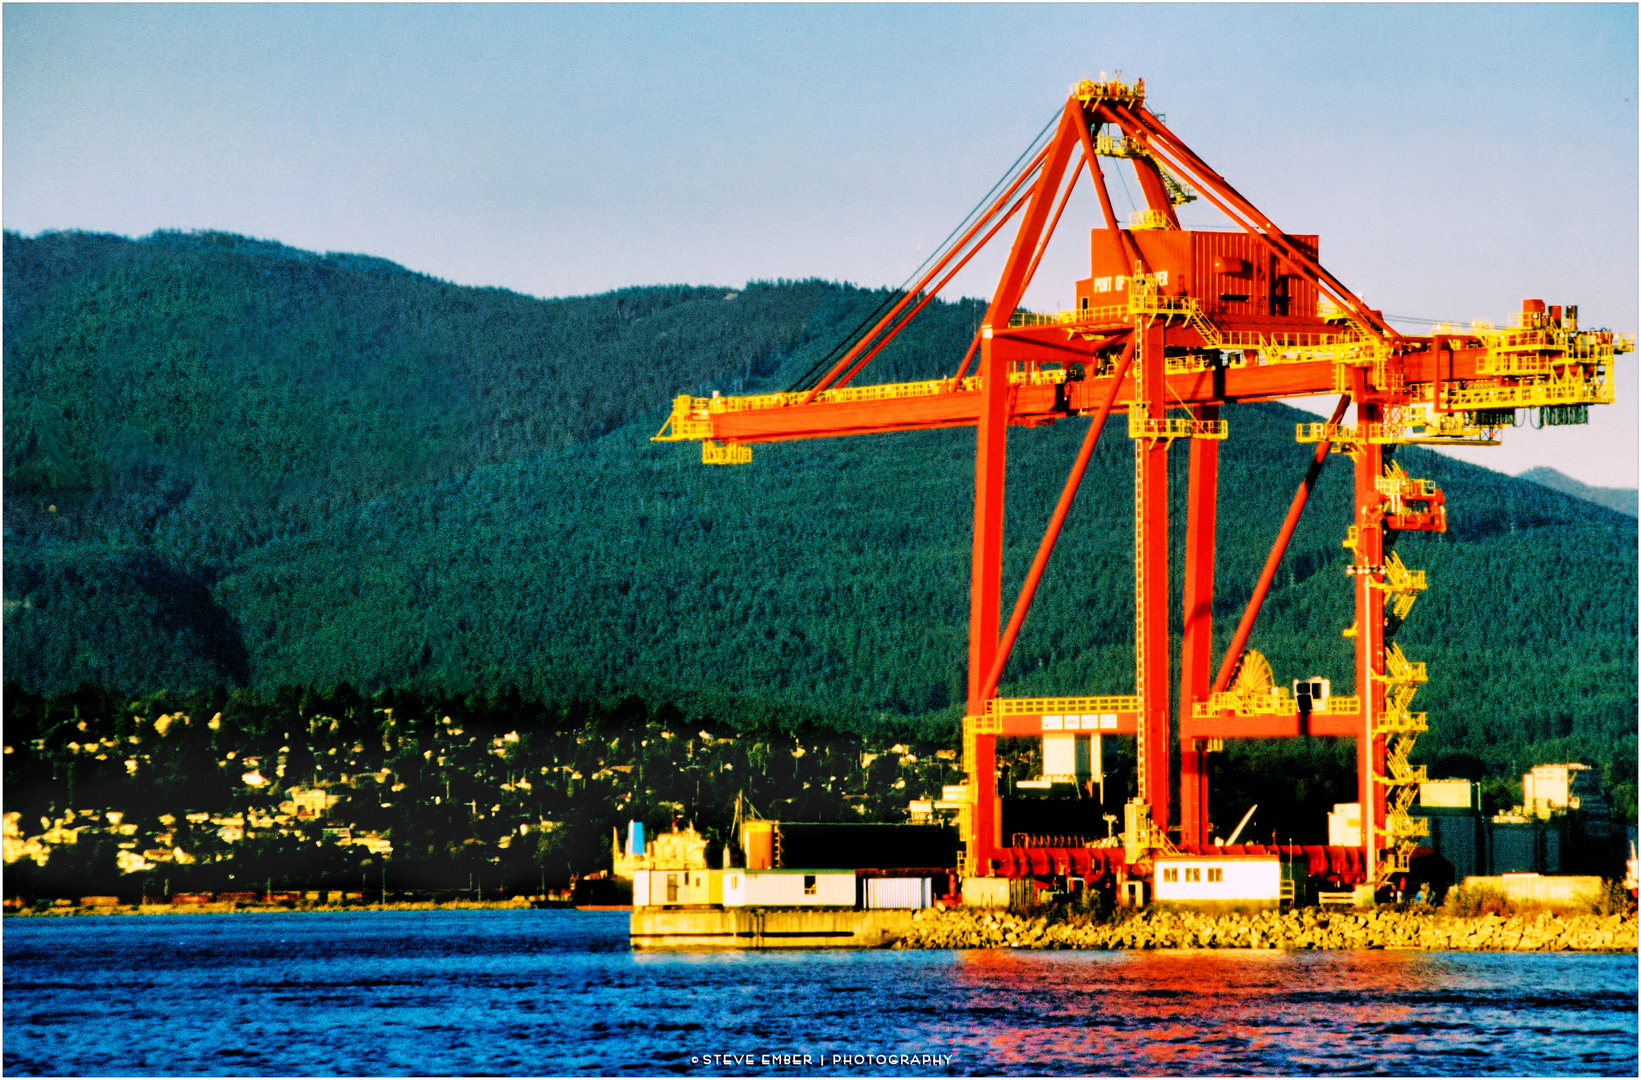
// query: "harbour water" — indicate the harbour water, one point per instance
point(560, 993)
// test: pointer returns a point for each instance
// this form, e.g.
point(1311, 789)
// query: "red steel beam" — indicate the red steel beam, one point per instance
point(1040, 404)
point(1370, 633)
point(1065, 197)
point(985, 586)
point(1126, 722)
point(974, 346)
point(1230, 726)
point(1097, 176)
point(1196, 638)
point(1011, 284)
point(1151, 578)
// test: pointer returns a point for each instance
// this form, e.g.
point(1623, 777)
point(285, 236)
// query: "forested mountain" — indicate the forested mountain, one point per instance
point(228, 463)
point(1621, 499)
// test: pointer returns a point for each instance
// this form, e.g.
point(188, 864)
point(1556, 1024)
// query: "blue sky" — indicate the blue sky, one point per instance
point(1454, 159)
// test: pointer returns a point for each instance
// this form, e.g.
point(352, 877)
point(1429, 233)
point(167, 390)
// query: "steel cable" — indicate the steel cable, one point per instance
point(806, 380)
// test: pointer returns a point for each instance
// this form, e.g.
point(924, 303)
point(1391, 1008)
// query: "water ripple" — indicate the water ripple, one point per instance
point(557, 992)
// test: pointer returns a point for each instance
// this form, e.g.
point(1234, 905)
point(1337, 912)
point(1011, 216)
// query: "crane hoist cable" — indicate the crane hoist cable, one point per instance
point(1008, 175)
point(1013, 177)
point(897, 317)
point(805, 381)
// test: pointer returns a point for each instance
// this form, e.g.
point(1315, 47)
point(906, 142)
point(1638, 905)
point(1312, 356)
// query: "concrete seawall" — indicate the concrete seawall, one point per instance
point(766, 928)
point(972, 928)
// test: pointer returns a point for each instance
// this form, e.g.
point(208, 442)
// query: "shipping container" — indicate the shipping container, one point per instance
point(992, 892)
point(1555, 891)
point(860, 847)
point(896, 892)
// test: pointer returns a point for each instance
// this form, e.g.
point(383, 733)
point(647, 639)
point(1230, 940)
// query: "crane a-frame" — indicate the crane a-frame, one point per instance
point(1169, 326)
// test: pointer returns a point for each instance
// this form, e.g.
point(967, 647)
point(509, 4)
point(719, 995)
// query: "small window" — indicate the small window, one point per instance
point(735, 881)
point(1216, 875)
point(1170, 875)
point(672, 888)
point(809, 884)
point(1193, 873)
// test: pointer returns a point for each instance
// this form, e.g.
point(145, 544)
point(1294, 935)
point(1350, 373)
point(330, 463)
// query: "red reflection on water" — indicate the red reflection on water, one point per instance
point(1194, 1010)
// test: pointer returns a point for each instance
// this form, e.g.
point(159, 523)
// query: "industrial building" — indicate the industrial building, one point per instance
point(1562, 827)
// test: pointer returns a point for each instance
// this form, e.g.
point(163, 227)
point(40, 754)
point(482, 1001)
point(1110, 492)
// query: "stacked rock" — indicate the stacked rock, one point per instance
point(1310, 928)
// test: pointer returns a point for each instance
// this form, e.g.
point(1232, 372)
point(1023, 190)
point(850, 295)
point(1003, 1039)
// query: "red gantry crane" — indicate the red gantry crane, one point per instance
point(1170, 326)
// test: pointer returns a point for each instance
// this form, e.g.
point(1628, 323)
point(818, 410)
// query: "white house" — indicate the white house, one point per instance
point(669, 888)
point(789, 888)
point(1209, 880)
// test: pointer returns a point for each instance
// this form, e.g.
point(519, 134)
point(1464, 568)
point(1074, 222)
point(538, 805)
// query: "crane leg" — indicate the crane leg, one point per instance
point(1197, 640)
point(1151, 579)
point(1370, 643)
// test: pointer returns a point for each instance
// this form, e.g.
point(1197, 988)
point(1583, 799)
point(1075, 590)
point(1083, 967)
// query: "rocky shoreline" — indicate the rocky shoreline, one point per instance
point(1311, 928)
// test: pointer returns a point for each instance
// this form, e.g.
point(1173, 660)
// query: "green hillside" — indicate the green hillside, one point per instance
point(230, 463)
point(1621, 499)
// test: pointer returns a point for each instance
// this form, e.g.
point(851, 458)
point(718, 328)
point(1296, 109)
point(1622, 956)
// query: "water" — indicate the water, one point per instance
point(558, 993)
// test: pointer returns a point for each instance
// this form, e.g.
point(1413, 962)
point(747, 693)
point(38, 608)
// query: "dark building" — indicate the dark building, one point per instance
point(1519, 847)
point(1459, 837)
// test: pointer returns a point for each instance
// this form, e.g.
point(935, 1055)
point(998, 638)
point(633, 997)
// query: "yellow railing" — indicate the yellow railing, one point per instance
point(717, 453)
point(1090, 92)
point(1038, 377)
point(1401, 722)
point(1399, 669)
point(1145, 298)
point(1173, 427)
point(1415, 426)
point(1062, 705)
point(1120, 146)
point(1274, 701)
point(1401, 585)
point(1538, 392)
point(841, 395)
point(1108, 315)
point(1535, 351)
point(691, 416)
point(1148, 219)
